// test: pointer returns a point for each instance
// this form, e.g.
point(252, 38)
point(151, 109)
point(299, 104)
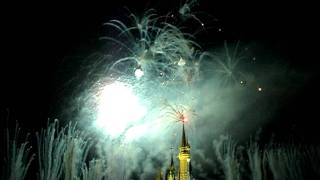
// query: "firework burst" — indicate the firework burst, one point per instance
point(154, 48)
point(228, 66)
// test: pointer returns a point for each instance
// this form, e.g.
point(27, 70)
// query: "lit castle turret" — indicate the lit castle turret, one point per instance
point(184, 157)
point(184, 172)
point(170, 175)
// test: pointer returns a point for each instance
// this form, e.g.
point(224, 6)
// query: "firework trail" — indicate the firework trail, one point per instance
point(186, 11)
point(228, 65)
point(155, 48)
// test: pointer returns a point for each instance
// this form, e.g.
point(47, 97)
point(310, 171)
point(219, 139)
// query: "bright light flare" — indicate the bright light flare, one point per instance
point(118, 109)
point(138, 73)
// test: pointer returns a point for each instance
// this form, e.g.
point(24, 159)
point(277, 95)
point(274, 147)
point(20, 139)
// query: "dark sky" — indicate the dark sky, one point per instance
point(39, 38)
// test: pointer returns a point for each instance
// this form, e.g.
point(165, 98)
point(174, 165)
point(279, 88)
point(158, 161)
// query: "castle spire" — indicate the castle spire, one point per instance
point(184, 141)
point(184, 157)
point(171, 164)
point(171, 170)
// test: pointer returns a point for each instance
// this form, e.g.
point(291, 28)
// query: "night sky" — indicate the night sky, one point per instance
point(39, 39)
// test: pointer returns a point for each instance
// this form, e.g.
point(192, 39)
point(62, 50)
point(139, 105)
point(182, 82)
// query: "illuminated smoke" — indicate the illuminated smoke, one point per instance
point(157, 75)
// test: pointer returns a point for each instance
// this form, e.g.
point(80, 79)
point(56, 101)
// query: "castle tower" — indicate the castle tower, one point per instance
point(171, 170)
point(159, 175)
point(184, 157)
